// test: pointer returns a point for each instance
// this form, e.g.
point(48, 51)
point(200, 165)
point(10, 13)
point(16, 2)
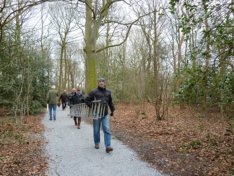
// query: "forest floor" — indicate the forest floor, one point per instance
point(21, 146)
point(187, 143)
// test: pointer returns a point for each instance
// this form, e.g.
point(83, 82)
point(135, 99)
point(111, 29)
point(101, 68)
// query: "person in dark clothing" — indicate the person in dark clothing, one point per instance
point(76, 98)
point(64, 98)
point(103, 94)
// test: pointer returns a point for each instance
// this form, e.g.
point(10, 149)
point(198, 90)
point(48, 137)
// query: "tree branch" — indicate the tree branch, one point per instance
point(2, 8)
point(107, 6)
point(127, 34)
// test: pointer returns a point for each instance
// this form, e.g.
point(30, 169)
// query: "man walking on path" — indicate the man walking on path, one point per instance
point(72, 154)
point(76, 98)
point(63, 98)
point(103, 94)
point(52, 100)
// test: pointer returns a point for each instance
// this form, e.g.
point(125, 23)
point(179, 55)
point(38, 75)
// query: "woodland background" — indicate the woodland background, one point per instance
point(162, 52)
point(168, 63)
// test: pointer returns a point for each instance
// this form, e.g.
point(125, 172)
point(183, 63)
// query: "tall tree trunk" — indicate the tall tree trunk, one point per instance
point(106, 54)
point(90, 55)
point(90, 72)
point(18, 62)
point(207, 53)
point(180, 41)
point(156, 69)
point(65, 81)
point(60, 74)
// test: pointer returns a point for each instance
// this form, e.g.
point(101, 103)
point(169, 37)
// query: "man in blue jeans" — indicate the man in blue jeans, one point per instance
point(103, 94)
point(52, 100)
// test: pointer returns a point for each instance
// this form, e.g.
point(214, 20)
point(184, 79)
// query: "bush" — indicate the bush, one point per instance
point(35, 107)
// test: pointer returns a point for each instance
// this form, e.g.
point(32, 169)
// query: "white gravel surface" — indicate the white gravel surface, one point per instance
point(71, 152)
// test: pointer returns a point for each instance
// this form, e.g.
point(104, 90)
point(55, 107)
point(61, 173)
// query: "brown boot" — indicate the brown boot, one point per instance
point(79, 121)
point(96, 146)
point(109, 149)
point(75, 120)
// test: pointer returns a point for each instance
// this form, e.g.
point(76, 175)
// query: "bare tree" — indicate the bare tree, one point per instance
point(10, 9)
point(62, 18)
point(152, 27)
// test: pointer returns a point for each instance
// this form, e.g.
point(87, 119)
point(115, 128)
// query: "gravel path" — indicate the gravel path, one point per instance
point(72, 153)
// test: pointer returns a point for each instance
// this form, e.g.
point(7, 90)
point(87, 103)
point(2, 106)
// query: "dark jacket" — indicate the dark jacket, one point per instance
point(102, 94)
point(76, 98)
point(63, 97)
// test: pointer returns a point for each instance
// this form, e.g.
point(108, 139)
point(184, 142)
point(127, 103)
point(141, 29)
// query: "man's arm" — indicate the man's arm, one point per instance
point(88, 100)
point(72, 100)
point(111, 105)
point(82, 99)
